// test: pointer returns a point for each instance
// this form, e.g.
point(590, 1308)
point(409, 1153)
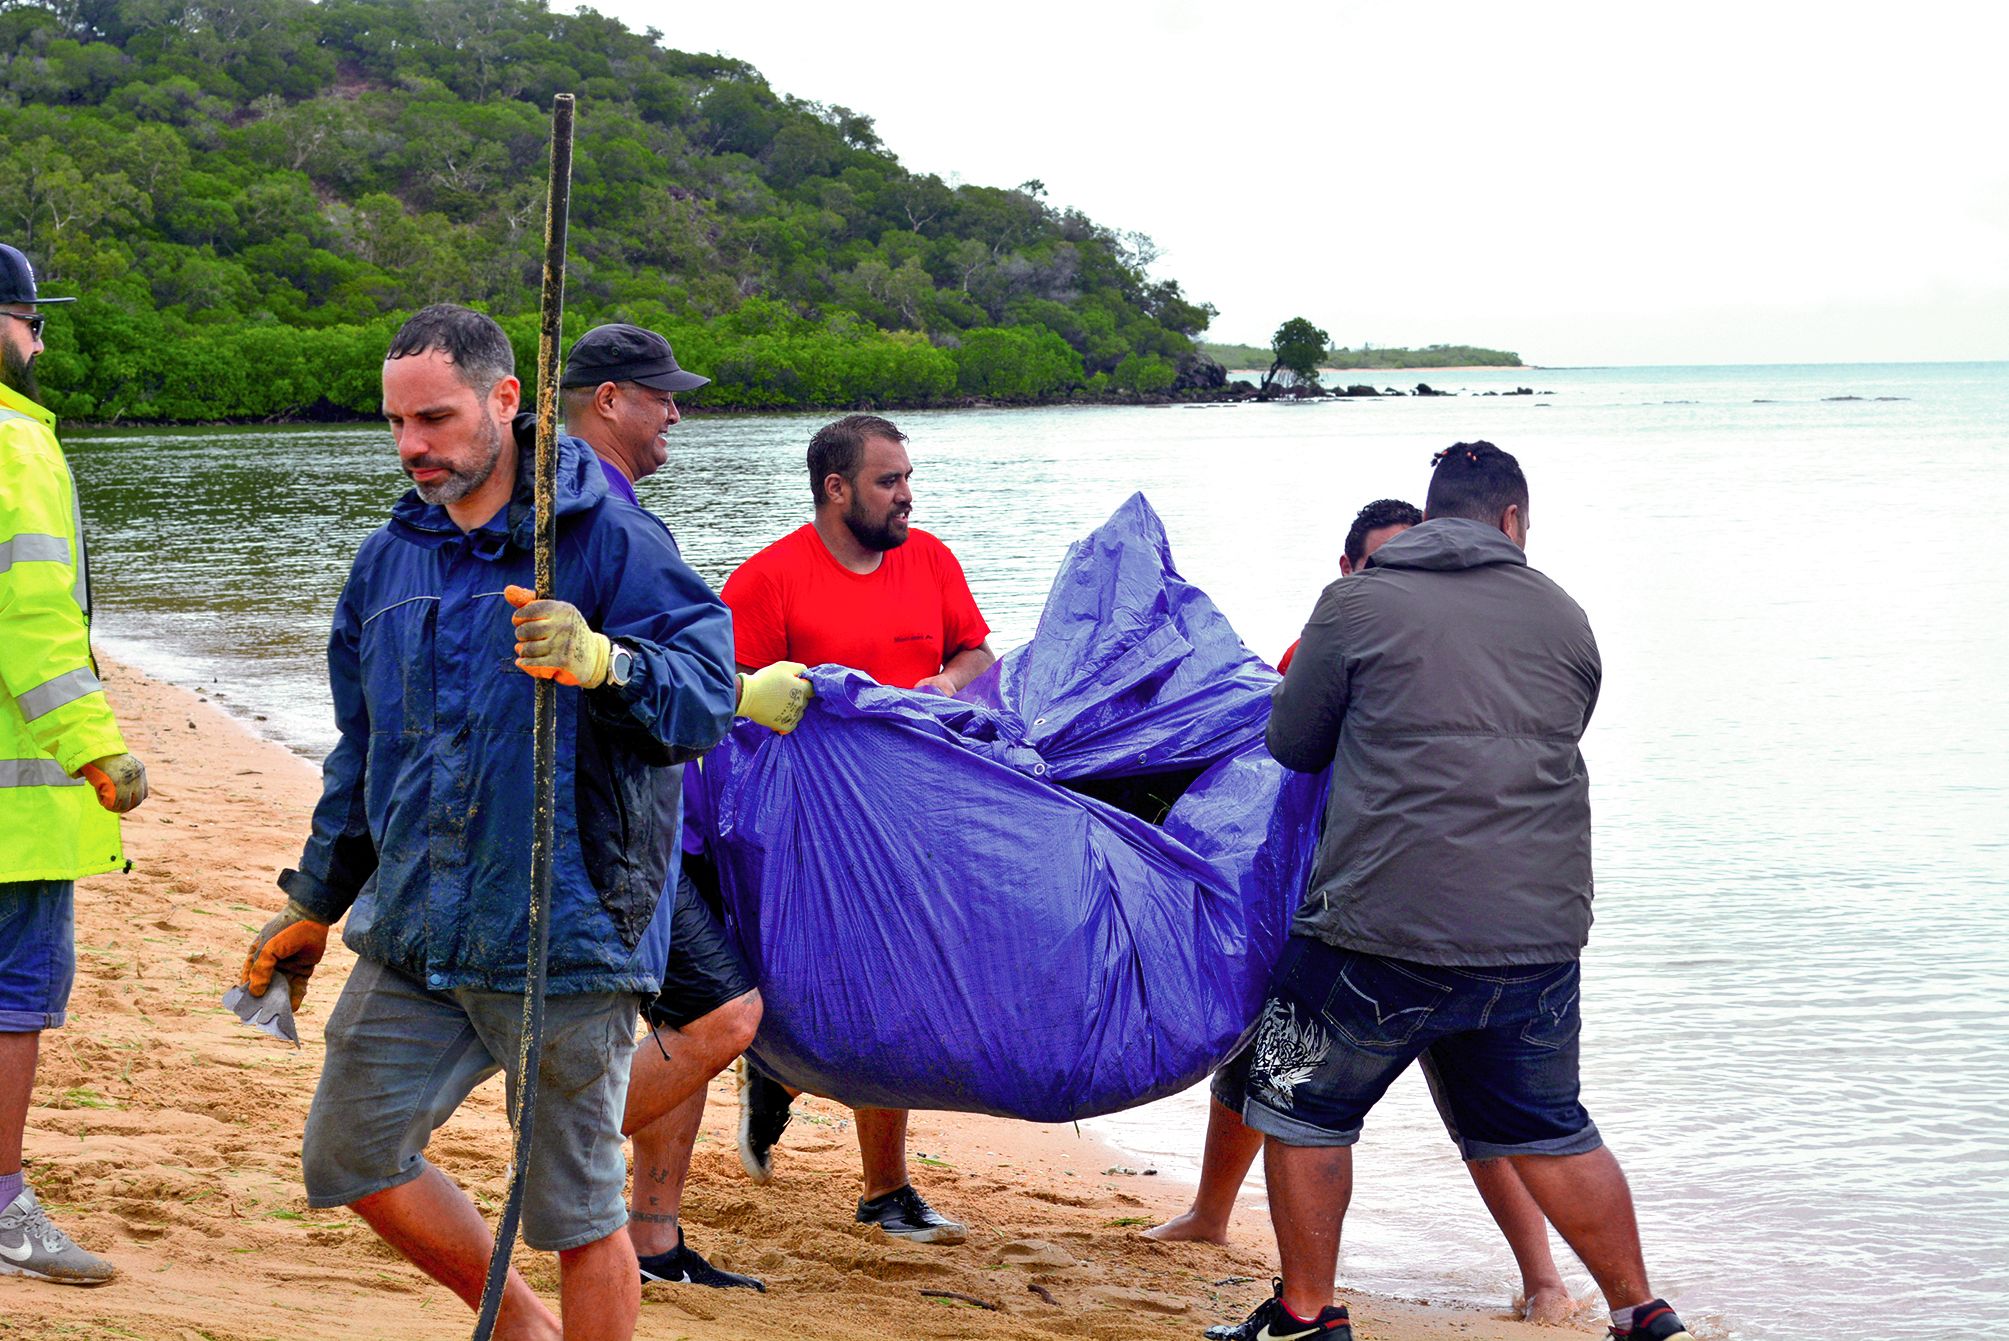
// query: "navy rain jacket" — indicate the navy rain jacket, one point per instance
point(425, 816)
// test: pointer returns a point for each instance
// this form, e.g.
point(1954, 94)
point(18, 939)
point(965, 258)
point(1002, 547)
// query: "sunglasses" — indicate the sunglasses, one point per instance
point(35, 323)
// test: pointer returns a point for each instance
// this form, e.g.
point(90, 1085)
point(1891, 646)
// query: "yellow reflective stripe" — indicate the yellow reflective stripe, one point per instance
point(50, 695)
point(29, 547)
point(81, 588)
point(6, 414)
point(35, 773)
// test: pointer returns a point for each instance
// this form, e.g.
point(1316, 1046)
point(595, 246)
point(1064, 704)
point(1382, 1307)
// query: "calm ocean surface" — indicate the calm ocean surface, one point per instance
point(1796, 992)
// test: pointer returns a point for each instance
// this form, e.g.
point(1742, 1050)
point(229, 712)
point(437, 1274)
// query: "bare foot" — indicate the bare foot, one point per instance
point(1189, 1228)
point(1548, 1305)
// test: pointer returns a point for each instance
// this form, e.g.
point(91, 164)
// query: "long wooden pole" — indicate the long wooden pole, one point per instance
point(544, 754)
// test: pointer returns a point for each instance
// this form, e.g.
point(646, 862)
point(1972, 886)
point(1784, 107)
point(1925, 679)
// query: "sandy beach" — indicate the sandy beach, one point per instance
point(165, 1136)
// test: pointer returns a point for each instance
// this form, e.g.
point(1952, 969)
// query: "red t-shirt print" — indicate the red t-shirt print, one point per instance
point(899, 624)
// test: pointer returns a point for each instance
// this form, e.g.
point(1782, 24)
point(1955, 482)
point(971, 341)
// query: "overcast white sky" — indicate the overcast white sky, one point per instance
point(1584, 183)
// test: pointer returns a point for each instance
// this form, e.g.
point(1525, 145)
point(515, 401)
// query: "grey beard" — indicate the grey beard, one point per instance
point(458, 484)
point(19, 374)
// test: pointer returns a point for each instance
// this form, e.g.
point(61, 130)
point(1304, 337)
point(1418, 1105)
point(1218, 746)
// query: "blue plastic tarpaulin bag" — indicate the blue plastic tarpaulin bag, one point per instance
point(939, 912)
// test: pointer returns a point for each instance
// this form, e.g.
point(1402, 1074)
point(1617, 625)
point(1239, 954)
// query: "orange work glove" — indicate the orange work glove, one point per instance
point(120, 781)
point(554, 642)
point(293, 943)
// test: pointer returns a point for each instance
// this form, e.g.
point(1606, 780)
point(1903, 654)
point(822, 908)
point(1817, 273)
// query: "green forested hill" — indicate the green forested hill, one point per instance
point(249, 194)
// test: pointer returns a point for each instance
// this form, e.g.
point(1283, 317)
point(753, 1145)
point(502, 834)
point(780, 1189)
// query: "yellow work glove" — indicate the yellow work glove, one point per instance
point(120, 780)
point(775, 696)
point(293, 943)
point(554, 642)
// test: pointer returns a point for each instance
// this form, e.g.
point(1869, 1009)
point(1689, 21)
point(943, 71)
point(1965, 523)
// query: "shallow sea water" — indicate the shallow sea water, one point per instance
point(1796, 990)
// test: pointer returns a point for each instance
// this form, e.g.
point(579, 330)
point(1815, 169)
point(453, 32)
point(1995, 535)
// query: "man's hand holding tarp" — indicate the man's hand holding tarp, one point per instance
point(776, 696)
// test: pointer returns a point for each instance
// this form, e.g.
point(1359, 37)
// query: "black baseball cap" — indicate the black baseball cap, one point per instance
point(17, 280)
point(624, 353)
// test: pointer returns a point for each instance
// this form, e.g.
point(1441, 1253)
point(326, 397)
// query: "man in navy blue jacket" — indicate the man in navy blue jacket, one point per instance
point(422, 835)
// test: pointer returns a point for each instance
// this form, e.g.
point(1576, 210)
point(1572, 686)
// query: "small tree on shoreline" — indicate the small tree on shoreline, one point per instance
point(1299, 348)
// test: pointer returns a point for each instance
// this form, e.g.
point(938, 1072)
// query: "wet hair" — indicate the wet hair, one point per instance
point(1381, 512)
point(839, 448)
point(1475, 480)
point(476, 346)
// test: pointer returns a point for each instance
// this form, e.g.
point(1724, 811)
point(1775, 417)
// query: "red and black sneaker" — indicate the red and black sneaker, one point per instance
point(1271, 1321)
point(1654, 1321)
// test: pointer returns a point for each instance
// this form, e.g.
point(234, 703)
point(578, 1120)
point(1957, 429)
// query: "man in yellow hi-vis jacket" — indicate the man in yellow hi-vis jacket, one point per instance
point(65, 775)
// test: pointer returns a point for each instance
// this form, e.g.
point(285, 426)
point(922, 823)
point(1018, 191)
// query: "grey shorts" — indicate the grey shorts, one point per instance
point(401, 1059)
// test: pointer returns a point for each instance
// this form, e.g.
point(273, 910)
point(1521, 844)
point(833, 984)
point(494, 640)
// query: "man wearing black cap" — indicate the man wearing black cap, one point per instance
point(619, 386)
point(58, 742)
point(619, 392)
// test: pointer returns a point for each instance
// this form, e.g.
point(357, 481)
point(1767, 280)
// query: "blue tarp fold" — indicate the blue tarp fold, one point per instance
point(937, 922)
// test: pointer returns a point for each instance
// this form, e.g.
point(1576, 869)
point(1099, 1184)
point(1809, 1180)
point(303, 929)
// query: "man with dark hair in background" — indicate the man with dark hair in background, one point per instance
point(619, 392)
point(1232, 1145)
point(857, 587)
point(1447, 687)
point(65, 775)
point(422, 834)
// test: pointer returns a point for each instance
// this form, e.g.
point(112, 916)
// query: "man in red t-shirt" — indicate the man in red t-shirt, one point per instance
point(858, 587)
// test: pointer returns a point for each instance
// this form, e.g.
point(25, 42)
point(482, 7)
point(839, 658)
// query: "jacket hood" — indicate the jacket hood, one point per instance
point(1445, 544)
point(581, 485)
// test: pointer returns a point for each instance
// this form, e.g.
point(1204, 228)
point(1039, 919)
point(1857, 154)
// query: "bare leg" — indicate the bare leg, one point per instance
point(662, 1163)
point(659, 1084)
point(1545, 1299)
point(1585, 1197)
point(600, 1289)
point(882, 1146)
point(18, 1055)
point(1231, 1148)
point(1309, 1189)
point(440, 1232)
point(666, 1104)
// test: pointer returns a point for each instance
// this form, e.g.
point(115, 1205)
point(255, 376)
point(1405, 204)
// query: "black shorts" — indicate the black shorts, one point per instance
point(705, 969)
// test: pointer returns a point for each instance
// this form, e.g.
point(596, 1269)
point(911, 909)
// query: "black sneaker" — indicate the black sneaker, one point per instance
point(763, 1115)
point(1234, 1331)
point(1271, 1321)
point(1654, 1321)
point(682, 1266)
point(904, 1215)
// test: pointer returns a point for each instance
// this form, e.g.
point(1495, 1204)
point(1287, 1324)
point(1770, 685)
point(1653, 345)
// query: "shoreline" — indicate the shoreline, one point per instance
point(165, 1135)
point(1213, 396)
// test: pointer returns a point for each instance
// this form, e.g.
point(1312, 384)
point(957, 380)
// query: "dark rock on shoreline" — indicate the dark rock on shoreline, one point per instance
point(1196, 372)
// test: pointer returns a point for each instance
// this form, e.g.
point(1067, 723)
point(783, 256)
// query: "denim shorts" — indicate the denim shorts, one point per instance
point(401, 1059)
point(38, 954)
point(1339, 1026)
point(1230, 1086)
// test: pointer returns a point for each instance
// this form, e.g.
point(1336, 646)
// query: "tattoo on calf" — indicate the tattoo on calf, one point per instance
point(650, 1218)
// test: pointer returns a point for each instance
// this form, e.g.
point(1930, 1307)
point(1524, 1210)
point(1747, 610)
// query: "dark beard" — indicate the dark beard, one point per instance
point(876, 536)
point(19, 374)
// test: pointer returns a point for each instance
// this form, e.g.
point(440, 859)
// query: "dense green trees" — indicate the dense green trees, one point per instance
point(250, 193)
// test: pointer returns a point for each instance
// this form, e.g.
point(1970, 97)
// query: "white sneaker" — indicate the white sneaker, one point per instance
point(32, 1246)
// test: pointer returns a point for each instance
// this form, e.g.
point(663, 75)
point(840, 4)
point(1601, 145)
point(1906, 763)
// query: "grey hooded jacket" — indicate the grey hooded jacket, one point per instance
point(1448, 685)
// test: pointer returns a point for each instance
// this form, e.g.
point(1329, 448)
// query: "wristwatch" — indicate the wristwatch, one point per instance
point(620, 666)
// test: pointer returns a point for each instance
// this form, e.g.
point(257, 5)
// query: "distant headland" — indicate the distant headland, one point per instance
point(1368, 356)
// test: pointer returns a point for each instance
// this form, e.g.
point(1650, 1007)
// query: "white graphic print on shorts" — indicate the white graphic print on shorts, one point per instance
point(1288, 1051)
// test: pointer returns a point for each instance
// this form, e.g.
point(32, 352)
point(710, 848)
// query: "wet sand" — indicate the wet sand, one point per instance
point(165, 1136)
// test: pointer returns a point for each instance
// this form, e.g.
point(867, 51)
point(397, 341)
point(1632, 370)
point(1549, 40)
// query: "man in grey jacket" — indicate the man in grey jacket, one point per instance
point(1447, 686)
